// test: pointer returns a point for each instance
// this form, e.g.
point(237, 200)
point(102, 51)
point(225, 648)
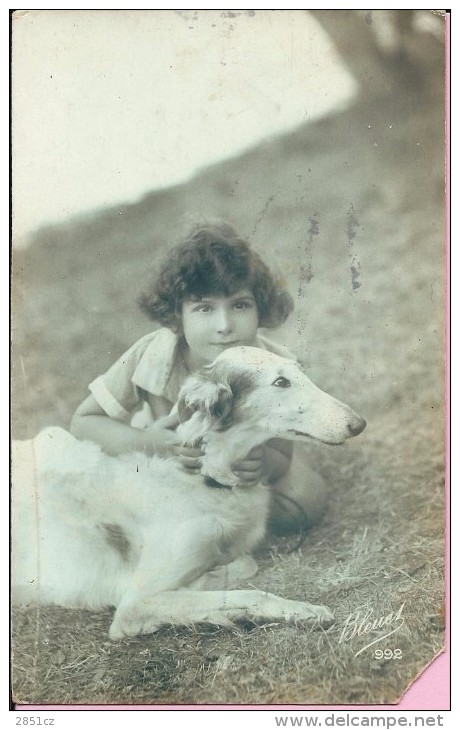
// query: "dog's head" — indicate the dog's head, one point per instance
point(267, 396)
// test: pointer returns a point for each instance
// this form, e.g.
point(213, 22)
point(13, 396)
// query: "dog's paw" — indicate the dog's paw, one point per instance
point(324, 616)
point(126, 627)
point(116, 631)
point(315, 614)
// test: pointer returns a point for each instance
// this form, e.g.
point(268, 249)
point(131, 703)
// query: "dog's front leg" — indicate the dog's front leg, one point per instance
point(220, 608)
point(167, 563)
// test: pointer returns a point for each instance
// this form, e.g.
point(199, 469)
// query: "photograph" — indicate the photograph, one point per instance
point(229, 266)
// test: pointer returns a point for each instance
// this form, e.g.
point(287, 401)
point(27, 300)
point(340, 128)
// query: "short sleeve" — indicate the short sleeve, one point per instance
point(265, 344)
point(115, 391)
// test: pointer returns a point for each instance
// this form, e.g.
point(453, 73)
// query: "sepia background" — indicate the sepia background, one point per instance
point(320, 136)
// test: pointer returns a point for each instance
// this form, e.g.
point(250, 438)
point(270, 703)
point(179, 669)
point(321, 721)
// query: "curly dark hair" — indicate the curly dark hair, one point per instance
point(214, 261)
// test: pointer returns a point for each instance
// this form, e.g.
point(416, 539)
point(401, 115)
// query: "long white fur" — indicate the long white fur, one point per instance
point(139, 534)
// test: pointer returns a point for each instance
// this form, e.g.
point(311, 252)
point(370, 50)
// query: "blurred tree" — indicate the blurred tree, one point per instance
point(384, 48)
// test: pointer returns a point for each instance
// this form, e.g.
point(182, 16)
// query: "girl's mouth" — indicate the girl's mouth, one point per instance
point(225, 344)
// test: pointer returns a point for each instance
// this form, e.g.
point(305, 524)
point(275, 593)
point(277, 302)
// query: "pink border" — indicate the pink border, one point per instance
point(430, 690)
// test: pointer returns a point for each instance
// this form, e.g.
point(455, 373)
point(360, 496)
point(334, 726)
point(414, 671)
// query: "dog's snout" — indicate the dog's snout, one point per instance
point(357, 427)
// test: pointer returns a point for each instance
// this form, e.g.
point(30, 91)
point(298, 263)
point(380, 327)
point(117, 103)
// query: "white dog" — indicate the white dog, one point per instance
point(137, 533)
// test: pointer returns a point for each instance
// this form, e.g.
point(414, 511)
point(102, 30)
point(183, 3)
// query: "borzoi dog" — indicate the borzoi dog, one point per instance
point(163, 546)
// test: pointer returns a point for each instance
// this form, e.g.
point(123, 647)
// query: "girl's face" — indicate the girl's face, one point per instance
point(216, 323)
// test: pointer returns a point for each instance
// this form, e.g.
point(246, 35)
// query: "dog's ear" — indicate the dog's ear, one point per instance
point(203, 404)
point(211, 398)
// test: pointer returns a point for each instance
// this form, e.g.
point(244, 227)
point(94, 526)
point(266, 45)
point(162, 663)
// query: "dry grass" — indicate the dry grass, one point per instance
point(378, 347)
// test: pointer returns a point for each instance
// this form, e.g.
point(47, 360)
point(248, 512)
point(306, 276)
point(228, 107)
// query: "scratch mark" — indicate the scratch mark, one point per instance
point(262, 213)
point(232, 115)
point(234, 188)
point(306, 269)
point(351, 232)
point(23, 369)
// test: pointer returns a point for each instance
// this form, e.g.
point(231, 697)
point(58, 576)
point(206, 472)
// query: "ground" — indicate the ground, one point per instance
point(349, 210)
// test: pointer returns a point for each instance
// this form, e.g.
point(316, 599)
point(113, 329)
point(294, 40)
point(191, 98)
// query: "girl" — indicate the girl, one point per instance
point(212, 292)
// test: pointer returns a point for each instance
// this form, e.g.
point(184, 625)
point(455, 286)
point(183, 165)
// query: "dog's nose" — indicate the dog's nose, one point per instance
point(357, 427)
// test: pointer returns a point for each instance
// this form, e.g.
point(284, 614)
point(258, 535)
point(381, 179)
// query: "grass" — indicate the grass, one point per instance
point(376, 171)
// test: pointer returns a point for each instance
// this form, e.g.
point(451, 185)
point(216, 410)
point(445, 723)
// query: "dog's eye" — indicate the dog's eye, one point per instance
point(282, 383)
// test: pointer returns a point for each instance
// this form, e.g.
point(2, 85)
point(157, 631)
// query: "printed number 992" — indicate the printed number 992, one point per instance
point(388, 654)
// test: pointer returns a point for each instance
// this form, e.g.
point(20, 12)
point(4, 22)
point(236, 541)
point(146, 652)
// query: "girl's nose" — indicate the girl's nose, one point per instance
point(223, 321)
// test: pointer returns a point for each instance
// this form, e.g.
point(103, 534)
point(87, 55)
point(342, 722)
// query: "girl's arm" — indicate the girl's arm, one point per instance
point(278, 457)
point(90, 422)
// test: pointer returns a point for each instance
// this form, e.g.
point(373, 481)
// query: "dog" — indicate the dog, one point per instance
point(158, 544)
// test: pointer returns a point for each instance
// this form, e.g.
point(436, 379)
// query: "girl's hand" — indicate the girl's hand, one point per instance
point(190, 458)
point(161, 438)
point(253, 468)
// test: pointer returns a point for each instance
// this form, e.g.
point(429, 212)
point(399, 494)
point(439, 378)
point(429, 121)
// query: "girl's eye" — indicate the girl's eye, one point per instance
point(243, 305)
point(282, 383)
point(203, 308)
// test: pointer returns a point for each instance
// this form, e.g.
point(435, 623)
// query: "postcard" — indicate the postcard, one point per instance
point(228, 357)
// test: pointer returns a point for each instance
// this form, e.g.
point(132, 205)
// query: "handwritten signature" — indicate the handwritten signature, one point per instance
point(357, 624)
